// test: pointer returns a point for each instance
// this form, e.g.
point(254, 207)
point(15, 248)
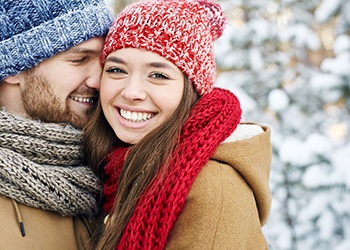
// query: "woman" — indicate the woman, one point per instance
point(179, 171)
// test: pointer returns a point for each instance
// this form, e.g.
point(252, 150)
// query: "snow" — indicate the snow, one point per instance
point(260, 30)
point(227, 81)
point(256, 60)
point(340, 159)
point(325, 81)
point(341, 44)
point(339, 65)
point(323, 143)
point(278, 100)
point(109, 3)
point(326, 9)
point(301, 36)
point(294, 151)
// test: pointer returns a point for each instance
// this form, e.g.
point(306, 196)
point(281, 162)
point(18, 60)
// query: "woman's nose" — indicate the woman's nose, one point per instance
point(134, 89)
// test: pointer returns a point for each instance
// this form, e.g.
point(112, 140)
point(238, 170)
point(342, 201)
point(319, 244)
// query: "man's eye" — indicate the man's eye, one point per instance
point(80, 60)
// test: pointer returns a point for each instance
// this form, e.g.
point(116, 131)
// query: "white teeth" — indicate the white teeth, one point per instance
point(135, 116)
point(82, 99)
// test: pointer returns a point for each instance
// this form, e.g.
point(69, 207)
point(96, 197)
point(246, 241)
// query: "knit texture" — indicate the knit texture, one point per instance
point(34, 30)
point(181, 31)
point(212, 119)
point(41, 165)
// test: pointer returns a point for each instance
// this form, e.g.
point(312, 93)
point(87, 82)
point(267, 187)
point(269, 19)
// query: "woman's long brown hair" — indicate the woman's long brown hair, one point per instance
point(143, 162)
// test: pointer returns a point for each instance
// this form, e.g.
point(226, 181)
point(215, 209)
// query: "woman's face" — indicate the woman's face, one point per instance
point(139, 91)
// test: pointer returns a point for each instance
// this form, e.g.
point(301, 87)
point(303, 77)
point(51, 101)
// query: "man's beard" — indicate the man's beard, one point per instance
point(40, 102)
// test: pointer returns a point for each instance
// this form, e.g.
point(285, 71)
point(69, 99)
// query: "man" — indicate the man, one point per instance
point(49, 81)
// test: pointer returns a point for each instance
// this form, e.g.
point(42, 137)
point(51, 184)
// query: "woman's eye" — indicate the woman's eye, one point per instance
point(115, 70)
point(159, 75)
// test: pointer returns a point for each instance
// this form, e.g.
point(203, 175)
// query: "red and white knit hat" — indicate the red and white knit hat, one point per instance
point(181, 31)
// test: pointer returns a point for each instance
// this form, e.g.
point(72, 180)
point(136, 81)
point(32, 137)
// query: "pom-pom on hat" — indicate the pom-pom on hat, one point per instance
point(34, 30)
point(181, 31)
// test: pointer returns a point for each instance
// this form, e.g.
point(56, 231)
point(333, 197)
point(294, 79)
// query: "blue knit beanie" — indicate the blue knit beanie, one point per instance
point(34, 30)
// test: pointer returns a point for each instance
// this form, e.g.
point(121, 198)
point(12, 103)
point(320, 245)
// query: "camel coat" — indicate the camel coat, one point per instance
point(43, 229)
point(230, 199)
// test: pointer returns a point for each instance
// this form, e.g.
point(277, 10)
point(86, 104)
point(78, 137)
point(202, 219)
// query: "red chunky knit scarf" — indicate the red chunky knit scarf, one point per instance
point(212, 119)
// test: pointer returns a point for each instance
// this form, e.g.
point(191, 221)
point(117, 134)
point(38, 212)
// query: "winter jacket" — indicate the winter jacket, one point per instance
point(230, 199)
point(44, 230)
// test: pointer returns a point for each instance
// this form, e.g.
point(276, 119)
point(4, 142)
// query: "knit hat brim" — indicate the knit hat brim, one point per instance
point(25, 50)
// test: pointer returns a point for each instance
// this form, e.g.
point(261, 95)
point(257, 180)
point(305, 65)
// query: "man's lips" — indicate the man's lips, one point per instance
point(82, 99)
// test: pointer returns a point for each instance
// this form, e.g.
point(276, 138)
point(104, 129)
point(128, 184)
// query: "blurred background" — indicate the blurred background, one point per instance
point(288, 61)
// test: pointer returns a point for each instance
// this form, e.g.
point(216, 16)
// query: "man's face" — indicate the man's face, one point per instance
point(64, 88)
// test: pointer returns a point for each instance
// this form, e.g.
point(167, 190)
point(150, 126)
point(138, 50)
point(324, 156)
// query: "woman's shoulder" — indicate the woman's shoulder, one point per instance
point(245, 131)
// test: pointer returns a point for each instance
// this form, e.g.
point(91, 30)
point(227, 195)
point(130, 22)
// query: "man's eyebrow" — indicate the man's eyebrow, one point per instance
point(81, 50)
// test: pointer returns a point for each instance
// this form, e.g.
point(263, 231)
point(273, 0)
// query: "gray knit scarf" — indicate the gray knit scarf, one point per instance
point(41, 166)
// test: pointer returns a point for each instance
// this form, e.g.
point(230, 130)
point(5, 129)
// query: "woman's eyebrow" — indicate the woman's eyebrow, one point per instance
point(115, 60)
point(161, 65)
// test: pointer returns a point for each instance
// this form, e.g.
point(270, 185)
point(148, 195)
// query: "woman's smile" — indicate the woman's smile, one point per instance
point(135, 116)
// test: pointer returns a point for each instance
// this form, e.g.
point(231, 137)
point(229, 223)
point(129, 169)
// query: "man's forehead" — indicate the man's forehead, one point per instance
point(81, 49)
point(92, 46)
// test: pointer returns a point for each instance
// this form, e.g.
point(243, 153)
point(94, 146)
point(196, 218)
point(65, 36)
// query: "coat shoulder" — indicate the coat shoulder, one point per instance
point(219, 205)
